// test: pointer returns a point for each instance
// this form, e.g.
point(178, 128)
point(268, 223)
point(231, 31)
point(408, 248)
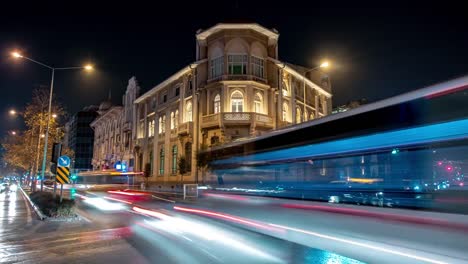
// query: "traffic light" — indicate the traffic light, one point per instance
point(72, 193)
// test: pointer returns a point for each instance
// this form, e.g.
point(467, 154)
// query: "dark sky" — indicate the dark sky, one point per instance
point(377, 50)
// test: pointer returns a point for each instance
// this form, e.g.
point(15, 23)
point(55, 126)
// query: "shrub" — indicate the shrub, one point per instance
point(52, 207)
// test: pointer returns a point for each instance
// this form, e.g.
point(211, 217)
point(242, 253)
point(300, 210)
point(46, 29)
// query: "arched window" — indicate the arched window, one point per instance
point(188, 112)
point(285, 112)
point(151, 128)
point(188, 155)
point(163, 124)
point(176, 119)
point(160, 125)
point(173, 120)
point(306, 115)
point(258, 103)
point(298, 115)
point(174, 159)
point(237, 102)
point(217, 104)
point(161, 161)
point(312, 116)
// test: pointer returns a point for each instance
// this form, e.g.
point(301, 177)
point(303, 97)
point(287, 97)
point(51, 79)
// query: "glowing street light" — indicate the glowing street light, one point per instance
point(54, 115)
point(325, 64)
point(16, 54)
point(12, 112)
point(88, 67)
point(13, 133)
point(42, 136)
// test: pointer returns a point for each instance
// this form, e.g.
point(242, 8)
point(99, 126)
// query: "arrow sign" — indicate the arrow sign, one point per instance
point(64, 161)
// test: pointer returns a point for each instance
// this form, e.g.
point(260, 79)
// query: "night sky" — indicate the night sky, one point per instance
point(376, 51)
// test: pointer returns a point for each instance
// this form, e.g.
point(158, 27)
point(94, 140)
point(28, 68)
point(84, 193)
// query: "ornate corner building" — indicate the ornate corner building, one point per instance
point(237, 87)
point(113, 131)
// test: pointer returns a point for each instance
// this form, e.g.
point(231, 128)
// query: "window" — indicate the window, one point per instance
point(188, 112)
point(214, 140)
point(160, 125)
point(161, 161)
point(306, 115)
point(188, 155)
point(285, 112)
point(141, 129)
point(174, 119)
point(257, 66)
point(237, 64)
point(312, 116)
point(298, 115)
point(216, 67)
point(174, 159)
point(164, 98)
point(258, 103)
point(217, 104)
point(177, 91)
point(150, 128)
point(237, 101)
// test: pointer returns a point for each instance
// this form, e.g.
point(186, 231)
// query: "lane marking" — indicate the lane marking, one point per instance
point(167, 200)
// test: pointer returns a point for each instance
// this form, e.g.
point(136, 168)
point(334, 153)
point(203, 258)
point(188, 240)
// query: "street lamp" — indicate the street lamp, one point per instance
point(53, 69)
point(12, 112)
point(54, 115)
point(13, 133)
point(324, 64)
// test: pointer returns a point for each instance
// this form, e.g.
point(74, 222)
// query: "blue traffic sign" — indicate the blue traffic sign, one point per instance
point(64, 161)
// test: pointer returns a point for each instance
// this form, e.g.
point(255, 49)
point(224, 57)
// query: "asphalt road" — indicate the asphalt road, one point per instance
point(123, 235)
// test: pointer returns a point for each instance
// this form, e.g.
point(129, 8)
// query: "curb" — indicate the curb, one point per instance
point(39, 214)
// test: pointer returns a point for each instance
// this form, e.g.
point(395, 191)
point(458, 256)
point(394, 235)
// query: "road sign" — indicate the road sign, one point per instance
point(64, 161)
point(63, 174)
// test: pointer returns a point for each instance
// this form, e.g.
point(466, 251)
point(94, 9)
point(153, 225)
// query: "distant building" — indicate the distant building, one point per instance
point(113, 131)
point(79, 136)
point(350, 105)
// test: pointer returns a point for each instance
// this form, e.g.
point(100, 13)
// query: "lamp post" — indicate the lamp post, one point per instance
point(323, 65)
point(53, 69)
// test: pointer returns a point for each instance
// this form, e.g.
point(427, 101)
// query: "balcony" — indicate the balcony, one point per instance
point(237, 77)
point(241, 118)
point(185, 128)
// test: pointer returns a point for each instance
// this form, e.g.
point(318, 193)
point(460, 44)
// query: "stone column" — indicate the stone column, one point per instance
point(316, 105)
point(292, 103)
point(156, 145)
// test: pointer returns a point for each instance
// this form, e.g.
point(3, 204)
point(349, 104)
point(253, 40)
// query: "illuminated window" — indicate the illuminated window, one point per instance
point(173, 120)
point(285, 112)
point(151, 128)
point(216, 67)
point(312, 116)
point(237, 101)
point(306, 115)
point(163, 124)
point(141, 129)
point(160, 125)
point(188, 112)
point(217, 104)
point(298, 115)
point(258, 103)
point(257, 66)
point(237, 64)
point(176, 121)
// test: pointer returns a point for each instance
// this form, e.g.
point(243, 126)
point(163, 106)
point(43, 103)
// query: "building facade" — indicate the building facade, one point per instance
point(80, 137)
point(236, 88)
point(113, 130)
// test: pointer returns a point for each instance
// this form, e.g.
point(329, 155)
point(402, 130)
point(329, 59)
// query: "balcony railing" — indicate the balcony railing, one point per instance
point(237, 118)
point(185, 128)
point(237, 77)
